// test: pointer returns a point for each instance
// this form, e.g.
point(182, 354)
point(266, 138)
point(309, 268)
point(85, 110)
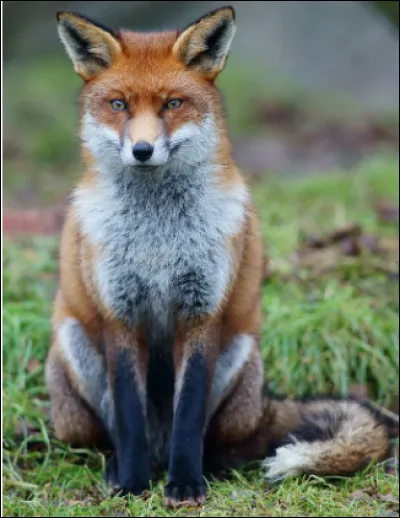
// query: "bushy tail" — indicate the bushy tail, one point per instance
point(324, 436)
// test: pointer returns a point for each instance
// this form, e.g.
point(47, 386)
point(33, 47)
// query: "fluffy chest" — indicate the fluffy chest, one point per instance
point(163, 248)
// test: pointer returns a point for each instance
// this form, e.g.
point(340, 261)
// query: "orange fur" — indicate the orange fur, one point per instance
point(146, 70)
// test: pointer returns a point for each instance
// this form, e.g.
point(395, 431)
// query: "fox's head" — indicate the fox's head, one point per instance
point(149, 100)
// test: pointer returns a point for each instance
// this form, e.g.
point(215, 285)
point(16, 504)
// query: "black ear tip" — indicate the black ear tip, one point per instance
point(231, 9)
point(227, 10)
point(59, 15)
point(65, 14)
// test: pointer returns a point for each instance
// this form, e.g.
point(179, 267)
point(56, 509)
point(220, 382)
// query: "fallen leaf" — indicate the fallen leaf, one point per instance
point(363, 495)
point(387, 211)
point(351, 246)
point(389, 497)
point(370, 242)
point(33, 365)
point(341, 233)
point(317, 259)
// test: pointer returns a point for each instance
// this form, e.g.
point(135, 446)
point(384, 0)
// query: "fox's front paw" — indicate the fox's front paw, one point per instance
point(178, 495)
point(111, 472)
point(131, 485)
point(137, 489)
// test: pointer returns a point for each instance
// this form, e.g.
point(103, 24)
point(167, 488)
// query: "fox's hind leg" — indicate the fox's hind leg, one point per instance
point(72, 418)
point(80, 399)
point(233, 436)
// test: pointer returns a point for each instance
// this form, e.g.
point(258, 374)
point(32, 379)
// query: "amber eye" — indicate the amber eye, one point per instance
point(118, 105)
point(174, 104)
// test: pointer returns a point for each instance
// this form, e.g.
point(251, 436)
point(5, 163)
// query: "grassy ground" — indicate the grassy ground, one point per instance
point(328, 326)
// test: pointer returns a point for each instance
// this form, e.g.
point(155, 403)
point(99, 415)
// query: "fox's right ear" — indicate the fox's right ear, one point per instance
point(91, 47)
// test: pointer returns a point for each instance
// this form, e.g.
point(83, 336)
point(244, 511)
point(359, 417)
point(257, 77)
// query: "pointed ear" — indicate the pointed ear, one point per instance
point(91, 47)
point(204, 45)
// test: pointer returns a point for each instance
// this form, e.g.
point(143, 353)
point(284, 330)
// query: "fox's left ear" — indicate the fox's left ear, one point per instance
point(204, 45)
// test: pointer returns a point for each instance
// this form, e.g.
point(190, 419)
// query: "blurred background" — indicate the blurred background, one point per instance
point(312, 94)
point(309, 86)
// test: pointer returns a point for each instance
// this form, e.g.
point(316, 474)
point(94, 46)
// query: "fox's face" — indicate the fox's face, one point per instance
point(149, 100)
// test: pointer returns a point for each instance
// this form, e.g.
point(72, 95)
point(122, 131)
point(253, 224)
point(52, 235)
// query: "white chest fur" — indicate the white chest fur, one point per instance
point(163, 241)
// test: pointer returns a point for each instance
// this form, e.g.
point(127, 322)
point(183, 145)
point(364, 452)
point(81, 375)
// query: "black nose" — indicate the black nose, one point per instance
point(142, 150)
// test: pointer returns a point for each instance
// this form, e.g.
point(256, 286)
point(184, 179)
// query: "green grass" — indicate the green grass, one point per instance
point(348, 316)
point(322, 332)
point(41, 155)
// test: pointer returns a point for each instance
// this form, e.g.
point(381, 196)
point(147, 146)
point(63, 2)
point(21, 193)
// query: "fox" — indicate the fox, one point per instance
point(155, 347)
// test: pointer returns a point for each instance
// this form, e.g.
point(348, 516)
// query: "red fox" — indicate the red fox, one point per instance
point(156, 323)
